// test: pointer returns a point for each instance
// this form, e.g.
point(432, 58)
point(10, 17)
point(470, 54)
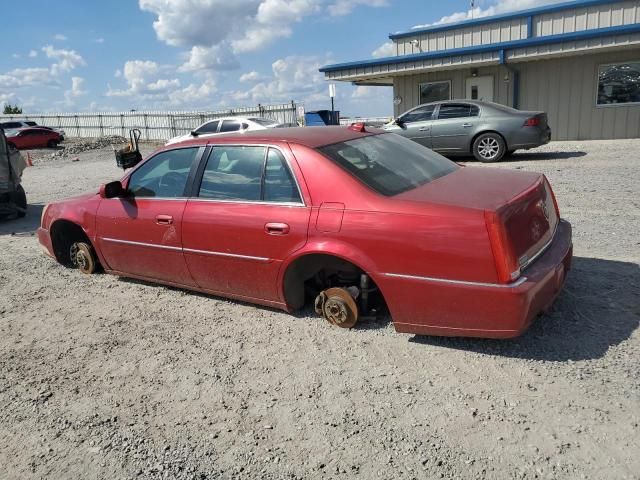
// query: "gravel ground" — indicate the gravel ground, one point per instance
point(103, 377)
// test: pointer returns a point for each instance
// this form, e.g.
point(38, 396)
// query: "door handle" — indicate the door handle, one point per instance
point(276, 228)
point(467, 125)
point(424, 129)
point(164, 219)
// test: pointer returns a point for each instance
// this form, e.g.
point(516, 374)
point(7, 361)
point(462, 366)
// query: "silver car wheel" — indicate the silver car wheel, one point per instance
point(488, 148)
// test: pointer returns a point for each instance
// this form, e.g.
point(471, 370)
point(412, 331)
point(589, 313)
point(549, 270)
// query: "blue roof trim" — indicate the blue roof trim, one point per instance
point(505, 16)
point(492, 47)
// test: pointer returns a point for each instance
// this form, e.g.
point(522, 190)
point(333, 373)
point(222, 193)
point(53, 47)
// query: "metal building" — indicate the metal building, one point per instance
point(578, 61)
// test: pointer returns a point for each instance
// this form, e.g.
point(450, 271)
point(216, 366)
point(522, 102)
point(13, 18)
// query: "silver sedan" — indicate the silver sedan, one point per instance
point(462, 127)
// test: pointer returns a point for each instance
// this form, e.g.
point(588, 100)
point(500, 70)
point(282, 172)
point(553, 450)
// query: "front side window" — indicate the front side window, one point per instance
point(163, 176)
point(388, 163)
point(210, 127)
point(420, 114)
point(435, 91)
point(230, 126)
point(233, 173)
point(457, 110)
point(619, 83)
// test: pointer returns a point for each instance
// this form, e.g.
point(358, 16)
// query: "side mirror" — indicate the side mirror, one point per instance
point(245, 126)
point(399, 122)
point(112, 190)
point(194, 133)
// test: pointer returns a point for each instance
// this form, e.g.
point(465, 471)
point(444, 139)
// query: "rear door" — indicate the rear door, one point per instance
point(453, 128)
point(141, 235)
point(416, 124)
point(246, 216)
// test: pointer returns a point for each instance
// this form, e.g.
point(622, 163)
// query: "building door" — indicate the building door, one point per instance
point(480, 88)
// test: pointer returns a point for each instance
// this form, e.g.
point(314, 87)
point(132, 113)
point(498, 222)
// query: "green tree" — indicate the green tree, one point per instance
point(12, 109)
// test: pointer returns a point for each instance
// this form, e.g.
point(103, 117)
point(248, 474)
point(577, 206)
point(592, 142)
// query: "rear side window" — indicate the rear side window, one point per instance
point(279, 185)
point(233, 173)
point(388, 163)
point(457, 110)
point(248, 173)
point(164, 175)
point(230, 126)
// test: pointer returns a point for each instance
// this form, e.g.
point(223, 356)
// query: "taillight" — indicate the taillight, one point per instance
point(505, 259)
point(553, 196)
point(532, 122)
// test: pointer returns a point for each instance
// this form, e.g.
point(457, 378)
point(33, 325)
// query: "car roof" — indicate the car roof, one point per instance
point(312, 137)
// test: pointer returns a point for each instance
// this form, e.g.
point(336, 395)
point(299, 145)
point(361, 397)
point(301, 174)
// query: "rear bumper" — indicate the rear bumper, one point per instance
point(425, 306)
point(529, 137)
point(45, 240)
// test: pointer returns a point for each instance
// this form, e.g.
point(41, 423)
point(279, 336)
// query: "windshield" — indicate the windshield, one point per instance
point(265, 122)
point(388, 163)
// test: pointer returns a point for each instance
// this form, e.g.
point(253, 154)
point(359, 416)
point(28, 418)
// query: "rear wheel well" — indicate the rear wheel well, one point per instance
point(64, 234)
point(310, 274)
point(473, 140)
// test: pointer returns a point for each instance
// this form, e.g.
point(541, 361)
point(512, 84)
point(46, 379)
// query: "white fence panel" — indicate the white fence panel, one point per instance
point(153, 125)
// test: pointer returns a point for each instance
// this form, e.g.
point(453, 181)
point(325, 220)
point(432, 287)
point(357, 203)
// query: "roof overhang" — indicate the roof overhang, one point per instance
point(490, 54)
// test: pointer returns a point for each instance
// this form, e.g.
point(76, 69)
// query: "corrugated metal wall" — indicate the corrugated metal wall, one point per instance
point(565, 21)
point(565, 88)
point(577, 19)
point(504, 31)
point(153, 125)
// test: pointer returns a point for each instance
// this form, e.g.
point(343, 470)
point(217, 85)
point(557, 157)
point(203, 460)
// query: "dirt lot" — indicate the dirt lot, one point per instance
point(102, 377)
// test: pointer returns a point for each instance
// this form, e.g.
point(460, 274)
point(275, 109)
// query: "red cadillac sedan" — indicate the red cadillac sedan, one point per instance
point(346, 219)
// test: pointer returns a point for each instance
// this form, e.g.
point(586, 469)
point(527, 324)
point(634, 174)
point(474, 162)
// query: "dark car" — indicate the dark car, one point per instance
point(487, 130)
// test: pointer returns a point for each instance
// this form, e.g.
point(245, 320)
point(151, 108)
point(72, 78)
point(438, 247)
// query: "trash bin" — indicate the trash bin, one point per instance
point(321, 118)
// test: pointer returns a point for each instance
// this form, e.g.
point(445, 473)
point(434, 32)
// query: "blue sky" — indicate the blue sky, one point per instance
point(204, 54)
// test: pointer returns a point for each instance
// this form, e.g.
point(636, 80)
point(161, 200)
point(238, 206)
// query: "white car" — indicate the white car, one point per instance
point(228, 124)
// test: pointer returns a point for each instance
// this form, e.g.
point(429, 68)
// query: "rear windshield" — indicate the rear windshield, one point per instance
point(388, 163)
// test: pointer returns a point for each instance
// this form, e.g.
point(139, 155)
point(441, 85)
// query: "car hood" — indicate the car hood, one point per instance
point(473, 187)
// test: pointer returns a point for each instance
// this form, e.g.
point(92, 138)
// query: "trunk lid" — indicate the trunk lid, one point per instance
point(522, 202)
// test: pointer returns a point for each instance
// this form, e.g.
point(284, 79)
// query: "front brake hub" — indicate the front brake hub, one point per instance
point(82, 257)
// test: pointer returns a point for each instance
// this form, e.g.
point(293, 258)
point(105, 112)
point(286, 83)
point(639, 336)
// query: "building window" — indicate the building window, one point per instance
point(619, 83)
point(435, 91)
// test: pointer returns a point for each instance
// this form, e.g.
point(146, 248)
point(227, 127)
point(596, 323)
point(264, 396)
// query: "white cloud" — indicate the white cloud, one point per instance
point(145, 84)
point(217, 30)
point(33, 53)
point(384, 50)
point(26, 77)
point(294, 78)
point(77, 83)
point(67, 60)
point(251, 77)
point(15, 55)
point(59, 37)
point(340, 8)
point(99, 40)
point(501, 6)
point(218, 57)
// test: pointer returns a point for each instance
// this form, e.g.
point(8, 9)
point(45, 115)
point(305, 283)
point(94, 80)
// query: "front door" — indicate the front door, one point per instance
point(248, 216)
point(453, 128)
point(416, 124)
point(480, 88)
point(140, 234)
